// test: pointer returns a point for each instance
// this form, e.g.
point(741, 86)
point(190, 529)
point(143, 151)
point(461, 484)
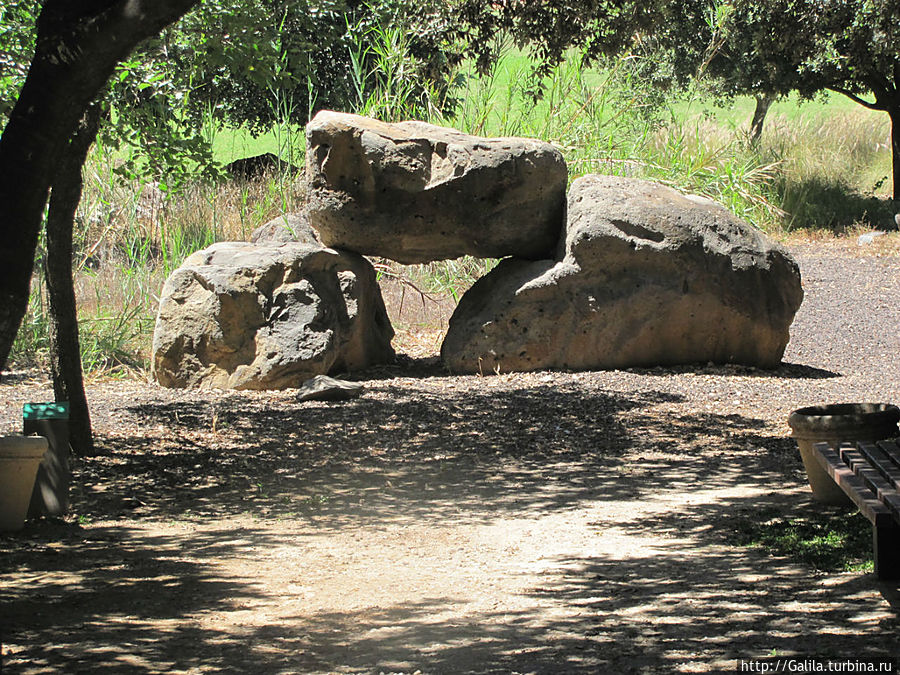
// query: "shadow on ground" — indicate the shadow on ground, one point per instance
point(727, 616)
point(115, 599)
point(824, 204)
point(408, 453)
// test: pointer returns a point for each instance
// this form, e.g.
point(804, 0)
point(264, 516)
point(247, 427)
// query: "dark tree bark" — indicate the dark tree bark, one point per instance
point(65, 353)
point(79, 43)
point(894, 113)
point(887, 99)
point(763, 102)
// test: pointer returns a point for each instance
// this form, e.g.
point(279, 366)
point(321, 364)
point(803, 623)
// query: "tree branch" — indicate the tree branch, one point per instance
point(853, 97)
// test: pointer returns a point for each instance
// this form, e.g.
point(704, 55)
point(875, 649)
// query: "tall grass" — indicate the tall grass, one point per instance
point(821, 171)
point(385, 75)
point(609, 122)
point(835, 170)
point(130, 236)
point(813, 171)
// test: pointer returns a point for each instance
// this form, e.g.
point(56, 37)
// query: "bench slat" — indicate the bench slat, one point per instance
point(877, 483)
point(892, 450)
point(852, 485)
point(881, 460)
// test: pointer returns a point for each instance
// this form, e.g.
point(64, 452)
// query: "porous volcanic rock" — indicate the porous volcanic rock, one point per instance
point(286, 228)
point(645, 276)
point(245, 316)
point(414, 192)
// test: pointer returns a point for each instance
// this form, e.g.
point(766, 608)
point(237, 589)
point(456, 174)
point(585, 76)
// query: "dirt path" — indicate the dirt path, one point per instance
point(526, 523)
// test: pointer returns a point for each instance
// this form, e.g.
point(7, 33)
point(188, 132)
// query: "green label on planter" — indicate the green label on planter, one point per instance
point(46, 411)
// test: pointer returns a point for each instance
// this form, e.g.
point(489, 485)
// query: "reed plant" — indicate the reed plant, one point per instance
point(385, 75)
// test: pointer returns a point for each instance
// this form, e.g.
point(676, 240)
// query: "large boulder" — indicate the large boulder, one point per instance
point(245, 316)
point(284, 229)
point(645, 276)
point(414, 192)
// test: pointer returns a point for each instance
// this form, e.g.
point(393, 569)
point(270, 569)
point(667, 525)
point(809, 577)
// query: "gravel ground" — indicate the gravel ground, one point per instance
point(538, 522)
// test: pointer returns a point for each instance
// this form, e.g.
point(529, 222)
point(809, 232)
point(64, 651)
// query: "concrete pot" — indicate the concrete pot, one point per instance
point(835, 424)
point(20, 457)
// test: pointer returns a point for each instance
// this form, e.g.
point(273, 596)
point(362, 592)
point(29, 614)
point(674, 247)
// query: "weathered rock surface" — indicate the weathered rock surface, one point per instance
point(645, 276)
point(287, 228)
point(414, 192)
point(324, 388)
point(244, 316)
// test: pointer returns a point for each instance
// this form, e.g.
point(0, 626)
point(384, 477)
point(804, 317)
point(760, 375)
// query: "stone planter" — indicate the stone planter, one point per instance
point(836, 424)
point(20, 457)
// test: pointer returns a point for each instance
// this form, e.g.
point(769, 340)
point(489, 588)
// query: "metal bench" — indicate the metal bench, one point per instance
point(869, 474)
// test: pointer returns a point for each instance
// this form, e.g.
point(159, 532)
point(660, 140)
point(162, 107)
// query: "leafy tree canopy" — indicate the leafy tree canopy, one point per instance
point(808, 46)
point(597, 27)
point(848, 46)
point(250, 64)
point(18, 19)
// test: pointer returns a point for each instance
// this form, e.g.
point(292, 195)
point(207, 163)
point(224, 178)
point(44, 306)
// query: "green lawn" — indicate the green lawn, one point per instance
point(791, 108)
point(289, 143)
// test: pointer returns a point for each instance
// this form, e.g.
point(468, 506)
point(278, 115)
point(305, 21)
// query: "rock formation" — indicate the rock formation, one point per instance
point(245, 316)
point(644, 276)
point(624, 272)
point(415, 192)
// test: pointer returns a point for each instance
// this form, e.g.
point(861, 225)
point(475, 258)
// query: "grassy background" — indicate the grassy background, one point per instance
point(822, 165)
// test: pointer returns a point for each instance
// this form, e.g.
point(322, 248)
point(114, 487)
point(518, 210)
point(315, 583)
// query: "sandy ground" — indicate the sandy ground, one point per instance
point(526, 523)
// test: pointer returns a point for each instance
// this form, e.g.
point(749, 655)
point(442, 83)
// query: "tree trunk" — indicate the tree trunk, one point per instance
point(763, 101)
point(894, 113)
point(65, 353)
point(79, 43)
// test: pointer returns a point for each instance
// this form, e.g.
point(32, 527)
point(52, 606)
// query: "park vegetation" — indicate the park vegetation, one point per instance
point(152, 98)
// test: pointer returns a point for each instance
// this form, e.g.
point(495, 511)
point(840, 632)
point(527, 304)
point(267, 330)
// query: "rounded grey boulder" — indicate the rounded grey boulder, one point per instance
point(645, 276)
point(270, 316)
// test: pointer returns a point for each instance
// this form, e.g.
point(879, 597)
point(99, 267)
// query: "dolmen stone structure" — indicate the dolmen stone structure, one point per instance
point(620, 273)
